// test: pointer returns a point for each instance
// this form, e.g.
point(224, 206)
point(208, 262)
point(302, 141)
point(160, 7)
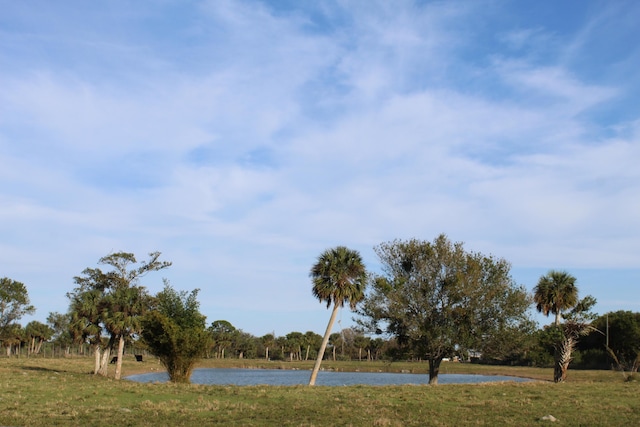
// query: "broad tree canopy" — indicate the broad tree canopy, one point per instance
point(14, 303)
point(438, 299)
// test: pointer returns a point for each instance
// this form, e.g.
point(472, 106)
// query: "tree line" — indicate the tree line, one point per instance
point(432, 301)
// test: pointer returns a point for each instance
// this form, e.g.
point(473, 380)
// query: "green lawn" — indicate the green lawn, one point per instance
point(48, 392)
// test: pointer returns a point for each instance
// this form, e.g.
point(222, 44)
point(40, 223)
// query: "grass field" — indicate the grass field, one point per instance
point(50, 392)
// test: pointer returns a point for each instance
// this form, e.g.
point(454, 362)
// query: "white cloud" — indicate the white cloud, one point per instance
point(241, 141)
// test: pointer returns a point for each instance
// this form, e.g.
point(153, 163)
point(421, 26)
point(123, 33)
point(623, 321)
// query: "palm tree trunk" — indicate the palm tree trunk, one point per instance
point(562, 359)
point(120, 357)
point(323, 346)
point(104, 363)
point(96, 354)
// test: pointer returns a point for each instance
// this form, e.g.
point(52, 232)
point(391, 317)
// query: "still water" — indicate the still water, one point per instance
point(220, 376)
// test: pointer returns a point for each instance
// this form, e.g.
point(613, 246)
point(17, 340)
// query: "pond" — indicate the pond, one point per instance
point(237, 376)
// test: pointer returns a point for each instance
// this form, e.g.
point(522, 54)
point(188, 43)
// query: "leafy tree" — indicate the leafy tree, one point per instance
point(281, 344)
point(111, 301)
point(555, 293)
point(268, 341)
point(36, 334)
point(339, 276)
point(543, 349)
point(511, 344)
point(14, 303)
point(244, 345)
point(175, 331)
point(61, 326)
point(375, 346)
point(336, 340)
point(222, 334)
point(618, 335)
point(294, 345)
point(311, 341)
point(12, 337)
point(437, 299)
point(362, 343)
point(85, 313)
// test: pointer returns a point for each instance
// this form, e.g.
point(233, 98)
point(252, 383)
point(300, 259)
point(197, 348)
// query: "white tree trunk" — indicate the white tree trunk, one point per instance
point(104, 363)
point(96, 354)
point(120, 357)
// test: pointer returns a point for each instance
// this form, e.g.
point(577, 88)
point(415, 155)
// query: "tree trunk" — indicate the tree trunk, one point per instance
point(306, 356)
point(104, 363)
point(562, 358)
point(120, 357)
point(266, 353)
point(434, 370)
point(96, 354)
point(323, 346)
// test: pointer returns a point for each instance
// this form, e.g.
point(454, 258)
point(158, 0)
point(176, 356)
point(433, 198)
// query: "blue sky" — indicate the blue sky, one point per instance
point(242, 138)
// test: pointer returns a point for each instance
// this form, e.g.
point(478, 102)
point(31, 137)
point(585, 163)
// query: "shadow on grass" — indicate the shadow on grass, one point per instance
point(56, 371)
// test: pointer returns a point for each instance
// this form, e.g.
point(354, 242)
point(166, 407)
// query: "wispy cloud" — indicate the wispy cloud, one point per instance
point(243, 138)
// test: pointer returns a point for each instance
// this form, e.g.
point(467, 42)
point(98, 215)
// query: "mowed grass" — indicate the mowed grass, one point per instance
point(50, 392)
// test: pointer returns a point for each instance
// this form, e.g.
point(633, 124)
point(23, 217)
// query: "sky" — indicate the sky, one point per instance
point(243, 138)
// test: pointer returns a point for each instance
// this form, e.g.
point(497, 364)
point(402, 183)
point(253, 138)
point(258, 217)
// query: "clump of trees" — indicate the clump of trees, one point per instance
point(14, 303)
point(175, 331)
point(111, 301)
point(433, 300)
point(437, 299)
point(613, 343)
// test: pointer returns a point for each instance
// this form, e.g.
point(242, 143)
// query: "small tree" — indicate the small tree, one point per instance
point(577, 324)
point(555, 293)
point(61, 326)
point(36, 333)
point(14, 303)
point(175, 331)
point(268, 341)
point(12, 337)
point(223, 335)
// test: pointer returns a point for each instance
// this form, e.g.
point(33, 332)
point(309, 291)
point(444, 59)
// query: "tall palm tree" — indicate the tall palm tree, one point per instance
point(555, 292)
point(338, 277)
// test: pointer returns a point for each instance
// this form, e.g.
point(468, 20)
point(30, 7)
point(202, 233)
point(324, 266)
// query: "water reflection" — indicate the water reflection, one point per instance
point(235, 376)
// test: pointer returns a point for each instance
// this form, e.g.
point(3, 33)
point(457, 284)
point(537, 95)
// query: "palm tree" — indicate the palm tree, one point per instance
point(338, 277)
point(556, 292)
